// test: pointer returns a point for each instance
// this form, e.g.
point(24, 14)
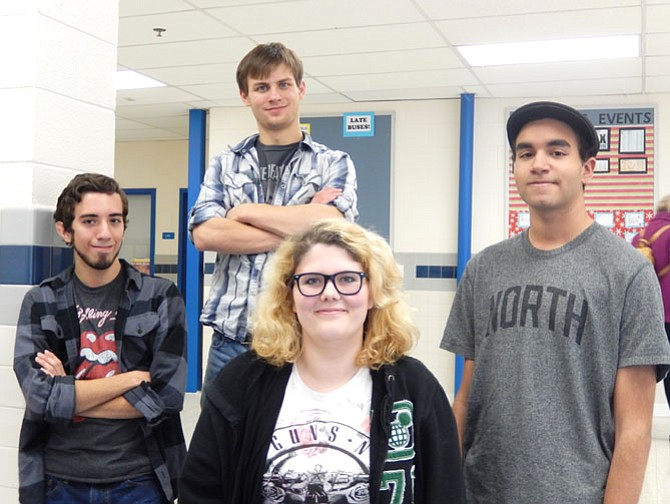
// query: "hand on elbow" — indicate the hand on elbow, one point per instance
point(137, 377)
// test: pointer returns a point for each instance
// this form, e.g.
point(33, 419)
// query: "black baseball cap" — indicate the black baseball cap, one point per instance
point(534, 111)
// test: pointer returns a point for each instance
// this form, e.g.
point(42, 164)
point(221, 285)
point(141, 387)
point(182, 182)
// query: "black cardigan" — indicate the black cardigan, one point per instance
point(227, 454)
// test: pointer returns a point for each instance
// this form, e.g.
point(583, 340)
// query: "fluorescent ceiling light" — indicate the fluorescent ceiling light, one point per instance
point(127, 79)
point(544, 51)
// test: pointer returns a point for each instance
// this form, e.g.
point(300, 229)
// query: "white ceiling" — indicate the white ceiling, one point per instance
point(366, 50)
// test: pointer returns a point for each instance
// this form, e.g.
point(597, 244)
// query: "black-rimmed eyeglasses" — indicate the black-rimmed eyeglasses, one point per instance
point(347, 283)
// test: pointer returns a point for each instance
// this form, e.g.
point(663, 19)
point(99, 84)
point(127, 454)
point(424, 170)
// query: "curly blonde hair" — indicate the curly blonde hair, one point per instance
point(389, 331)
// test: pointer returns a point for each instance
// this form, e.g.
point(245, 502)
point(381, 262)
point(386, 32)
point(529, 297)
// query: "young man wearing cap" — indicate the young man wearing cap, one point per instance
point(562, 332)
point(272, 184)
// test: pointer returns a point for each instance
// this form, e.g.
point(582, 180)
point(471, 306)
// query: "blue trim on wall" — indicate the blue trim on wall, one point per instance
point(435, 271)
point(30, 264)
point(194, 278)
point(464, 201)
point(168, 269)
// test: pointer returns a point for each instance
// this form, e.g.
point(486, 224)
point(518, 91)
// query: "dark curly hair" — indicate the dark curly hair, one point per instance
point(80, 185)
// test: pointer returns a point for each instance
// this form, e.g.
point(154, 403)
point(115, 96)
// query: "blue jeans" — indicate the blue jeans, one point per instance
point(221, 352)
point(141, 490)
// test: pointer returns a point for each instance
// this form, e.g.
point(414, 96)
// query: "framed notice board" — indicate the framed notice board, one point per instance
point(372, 157)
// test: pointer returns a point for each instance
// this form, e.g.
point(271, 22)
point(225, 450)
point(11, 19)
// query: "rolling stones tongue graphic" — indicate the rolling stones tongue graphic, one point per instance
point(99, 358)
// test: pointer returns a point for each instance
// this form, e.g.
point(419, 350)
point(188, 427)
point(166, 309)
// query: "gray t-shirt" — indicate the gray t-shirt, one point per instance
point(272, 161)
point(547, 331)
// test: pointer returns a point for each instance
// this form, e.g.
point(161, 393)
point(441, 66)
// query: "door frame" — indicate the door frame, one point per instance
point(151, 192)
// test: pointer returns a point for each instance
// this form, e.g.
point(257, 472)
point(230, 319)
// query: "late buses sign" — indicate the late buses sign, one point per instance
point(359, 124)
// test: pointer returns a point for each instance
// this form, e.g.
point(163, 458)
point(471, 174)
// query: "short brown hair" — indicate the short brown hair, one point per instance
point(388, 332)
point(263, 59)
point(80, 185)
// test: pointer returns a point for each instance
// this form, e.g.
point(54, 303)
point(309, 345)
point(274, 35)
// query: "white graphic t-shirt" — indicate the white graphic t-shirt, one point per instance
point(320, 450)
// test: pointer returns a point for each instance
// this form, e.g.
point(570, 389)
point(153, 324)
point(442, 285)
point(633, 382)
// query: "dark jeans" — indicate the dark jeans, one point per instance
point(141, 490)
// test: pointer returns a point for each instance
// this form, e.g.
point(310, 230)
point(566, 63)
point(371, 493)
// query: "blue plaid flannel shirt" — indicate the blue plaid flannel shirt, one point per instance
point(233, 179)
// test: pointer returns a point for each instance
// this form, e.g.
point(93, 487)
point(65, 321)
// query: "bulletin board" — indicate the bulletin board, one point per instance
point(371, 154)
point(620, 196)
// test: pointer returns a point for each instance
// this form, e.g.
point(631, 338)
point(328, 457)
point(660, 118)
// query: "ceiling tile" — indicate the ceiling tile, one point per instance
point(184, 53)
point(215, 91)
point(657, 84)
point(657, 44)
point(544, 26)
point(481, 8)
point(326, 15)
point(194, 74)
point(208, 4)
point(155, 95)
point(427, 93)
point(178, 27)
point(140, 111)
point(135, 8)
point(382, 61)
point(658, 65)
point(658, 18)
point(348, 40)
point(325, 98)
point(567, 88)
point(400, 80)
point(572, 70)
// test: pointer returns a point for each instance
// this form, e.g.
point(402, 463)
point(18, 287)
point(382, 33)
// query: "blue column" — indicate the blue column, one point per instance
point(464, 201)
point(194, 259)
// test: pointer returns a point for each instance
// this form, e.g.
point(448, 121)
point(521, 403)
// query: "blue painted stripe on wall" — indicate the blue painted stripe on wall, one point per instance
point(30, 264)
point(165, 269)
point(435, 271)
point(421, 270)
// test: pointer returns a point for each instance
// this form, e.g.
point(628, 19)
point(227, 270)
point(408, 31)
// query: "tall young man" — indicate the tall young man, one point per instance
point(561, 328)
point(271, 185)
point(100, 357)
